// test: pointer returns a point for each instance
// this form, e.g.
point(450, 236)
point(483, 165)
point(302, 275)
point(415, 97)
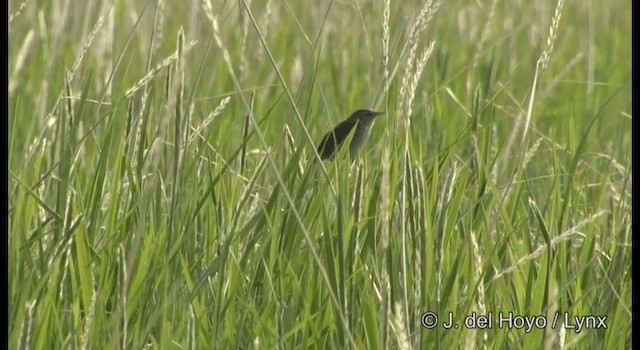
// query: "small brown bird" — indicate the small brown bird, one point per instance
point(362, 120)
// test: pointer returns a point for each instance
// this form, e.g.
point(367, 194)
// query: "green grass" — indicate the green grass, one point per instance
point(165, 192)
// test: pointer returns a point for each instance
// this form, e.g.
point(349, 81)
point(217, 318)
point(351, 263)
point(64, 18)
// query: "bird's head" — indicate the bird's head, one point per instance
point(365, 115)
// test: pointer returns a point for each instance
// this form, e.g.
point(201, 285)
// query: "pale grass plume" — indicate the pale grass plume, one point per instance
point(531, 152)
point(385, 42)
point(208, 10)
point(180, 65)
point(189, 113)
point(399, 327)
point(88, 41)
point(407, 93)
point(254, 207)
point(124, 282)
point(425, 16)
point(420, 24)
point(197, 132)
point(266, 18)
point(44, 88)
point(104, 52)
point(621, 169)
point(384, 200)
point(61, 247)
point(447, 190)
point(482, 308)
point(297, 72)
point(159, 24)
point(19, 61)
point(180, 49)
point(18, 11)
point(81, 150)
point(487, 28)
point(558, 77)
point(139, 125)
point(414, 79)
point(191, 326)
point(88, 321)
point(417, 278)
point(357, 197)
point(79, 58)
point(38, 142)
point(175, 87)
point(42, 213)
point(243, 66)
point(494, 150)
point(457, 100)
point(402, 223)
point(65, 269)
point(543, 61)
point(443, 202)
point(60, 16)
point(420, 66)
point(290, 142)
point(29, 324)
point(552, 335)
point(42, 29)
point(570, 234)
point(67, 220)
point(474, 158)
point(405, 86)
point(562, 337)
point(524, 119)
point(383, 291)
point(153, 72)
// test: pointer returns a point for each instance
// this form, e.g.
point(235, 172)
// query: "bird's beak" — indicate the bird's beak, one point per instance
point(378, 113)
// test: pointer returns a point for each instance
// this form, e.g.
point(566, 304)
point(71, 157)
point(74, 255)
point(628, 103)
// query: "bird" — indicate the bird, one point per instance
point(361, 120)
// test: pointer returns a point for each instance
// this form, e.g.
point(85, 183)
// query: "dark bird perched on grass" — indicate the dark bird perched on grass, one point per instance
point(361, 120)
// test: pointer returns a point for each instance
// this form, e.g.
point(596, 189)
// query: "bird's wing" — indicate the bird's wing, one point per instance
point(334, 138)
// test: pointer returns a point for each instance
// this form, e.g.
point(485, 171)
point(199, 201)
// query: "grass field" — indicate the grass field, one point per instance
point(165, 191)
